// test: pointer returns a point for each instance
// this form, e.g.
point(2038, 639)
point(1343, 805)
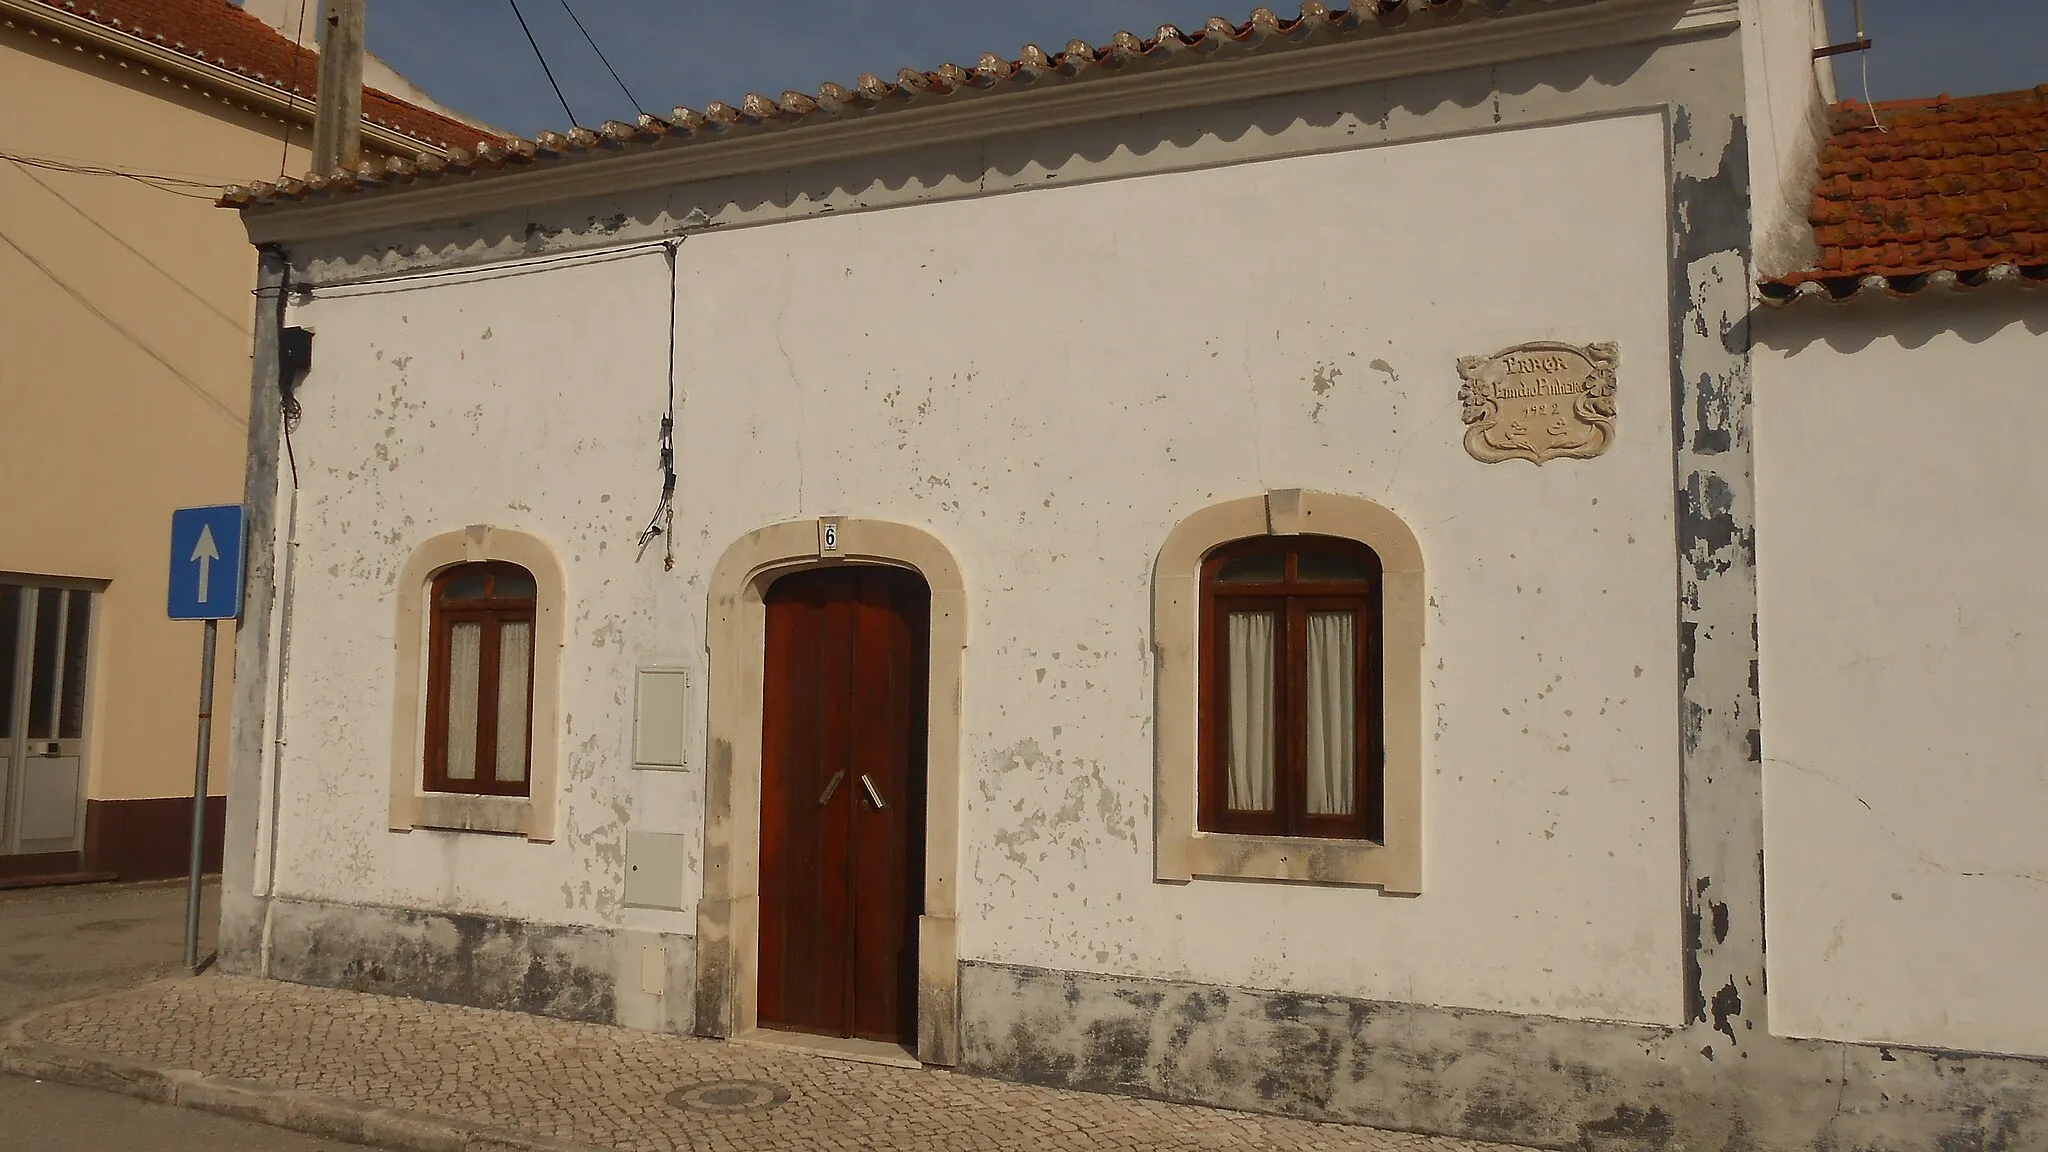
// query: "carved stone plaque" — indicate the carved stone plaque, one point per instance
point(1539, 401)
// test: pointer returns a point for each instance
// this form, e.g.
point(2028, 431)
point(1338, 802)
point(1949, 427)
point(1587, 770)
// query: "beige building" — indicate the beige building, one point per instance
point(125, 315)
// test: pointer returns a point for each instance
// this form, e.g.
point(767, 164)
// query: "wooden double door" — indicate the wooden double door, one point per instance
point(842, 801)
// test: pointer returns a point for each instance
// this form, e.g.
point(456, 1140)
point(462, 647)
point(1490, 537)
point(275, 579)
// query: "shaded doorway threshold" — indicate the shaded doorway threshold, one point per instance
point(832, 1047)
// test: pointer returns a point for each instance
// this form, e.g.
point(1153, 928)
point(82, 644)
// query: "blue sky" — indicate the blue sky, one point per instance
point(471, 54)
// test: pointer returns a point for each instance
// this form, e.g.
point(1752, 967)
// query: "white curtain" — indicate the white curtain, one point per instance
point(1251, 711)
point(515, 654)
point(465, 672)
point(1332, 713)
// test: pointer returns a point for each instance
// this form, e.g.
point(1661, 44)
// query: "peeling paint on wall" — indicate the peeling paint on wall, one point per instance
point(1053, 447)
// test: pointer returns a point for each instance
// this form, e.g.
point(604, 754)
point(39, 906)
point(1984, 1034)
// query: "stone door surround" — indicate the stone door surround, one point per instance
point(728, 916)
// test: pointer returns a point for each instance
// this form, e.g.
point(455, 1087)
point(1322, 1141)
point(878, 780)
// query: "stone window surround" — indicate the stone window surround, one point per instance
point(533, 815)
point(728, 915)
point(1183, 851)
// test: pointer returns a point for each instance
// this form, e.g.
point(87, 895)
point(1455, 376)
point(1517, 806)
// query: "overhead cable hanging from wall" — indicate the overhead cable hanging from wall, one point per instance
point(663, 522)
point(542, 57)
point(587, 39)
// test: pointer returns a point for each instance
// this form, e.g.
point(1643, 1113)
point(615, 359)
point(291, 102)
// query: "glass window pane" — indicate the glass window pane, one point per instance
point(515, 655)
point(512, 584)
point(42, 674)
point(1332, 713)
point(465, 672)
point(77, 647)
point(1264, 568)
point(10, 654)
point(1317, 566)
point(468, 583)
point(1251, 706)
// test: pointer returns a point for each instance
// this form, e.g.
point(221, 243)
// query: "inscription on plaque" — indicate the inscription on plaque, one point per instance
point(1539, 401)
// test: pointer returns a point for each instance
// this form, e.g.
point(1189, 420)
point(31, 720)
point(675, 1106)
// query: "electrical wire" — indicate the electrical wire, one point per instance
point(197, 388)
point(434, 277)
point(288, 408)
point(630, 98)
point(1868, 103)
point(138, 253)
point(663, 523)
point(161, 181)
point(537, 54)
point(291, 94)
point(291, 420)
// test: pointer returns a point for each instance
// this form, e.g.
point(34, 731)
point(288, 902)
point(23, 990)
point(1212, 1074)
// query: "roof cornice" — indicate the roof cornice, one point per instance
point(255, 94)
point(767, 146)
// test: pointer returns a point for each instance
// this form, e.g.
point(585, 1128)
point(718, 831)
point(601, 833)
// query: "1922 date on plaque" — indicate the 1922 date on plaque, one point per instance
point(1539, 402)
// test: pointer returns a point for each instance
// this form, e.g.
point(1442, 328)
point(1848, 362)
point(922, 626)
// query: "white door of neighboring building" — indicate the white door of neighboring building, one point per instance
point(45, 645)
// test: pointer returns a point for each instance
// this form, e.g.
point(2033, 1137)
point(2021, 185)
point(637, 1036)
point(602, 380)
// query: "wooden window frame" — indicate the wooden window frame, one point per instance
point(1292, 599)
point(491, 614)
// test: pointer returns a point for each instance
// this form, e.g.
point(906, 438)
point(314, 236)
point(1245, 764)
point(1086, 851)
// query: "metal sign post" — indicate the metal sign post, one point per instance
point(199, 766)
point(205, 584)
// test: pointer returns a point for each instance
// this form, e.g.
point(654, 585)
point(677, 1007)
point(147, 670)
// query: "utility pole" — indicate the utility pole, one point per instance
point(338, 118)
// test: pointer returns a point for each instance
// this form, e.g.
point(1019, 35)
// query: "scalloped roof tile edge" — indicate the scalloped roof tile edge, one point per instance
point(1941, 192)
point(1078, 62)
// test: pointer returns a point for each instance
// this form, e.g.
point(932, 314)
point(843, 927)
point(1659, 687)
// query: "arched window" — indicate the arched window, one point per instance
point(480, 680)
point(1291, 707)
point(1307, 576)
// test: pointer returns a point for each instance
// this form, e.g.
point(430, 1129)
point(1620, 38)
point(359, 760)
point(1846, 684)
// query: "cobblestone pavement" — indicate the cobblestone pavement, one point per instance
point(606, 1086)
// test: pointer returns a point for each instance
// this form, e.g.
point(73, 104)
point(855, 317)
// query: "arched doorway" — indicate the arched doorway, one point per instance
point(728, 915)
point(845, 689)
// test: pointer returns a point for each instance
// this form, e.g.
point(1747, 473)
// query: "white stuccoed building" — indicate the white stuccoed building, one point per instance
point(1904, 632)
point(1222, 566)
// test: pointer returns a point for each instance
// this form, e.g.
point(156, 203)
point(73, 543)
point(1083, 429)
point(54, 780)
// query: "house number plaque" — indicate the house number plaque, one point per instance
point(1539, 401)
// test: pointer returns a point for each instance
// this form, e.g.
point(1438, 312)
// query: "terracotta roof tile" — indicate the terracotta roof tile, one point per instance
point(1914, 192)
point(221, 34)
point(1124, 54)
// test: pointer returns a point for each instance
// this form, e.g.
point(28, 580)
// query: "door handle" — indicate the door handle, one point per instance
point(831, 787)
point(874, 795)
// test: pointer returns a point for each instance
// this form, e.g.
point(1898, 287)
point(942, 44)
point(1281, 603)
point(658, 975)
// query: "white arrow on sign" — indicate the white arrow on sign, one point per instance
point(206, 554)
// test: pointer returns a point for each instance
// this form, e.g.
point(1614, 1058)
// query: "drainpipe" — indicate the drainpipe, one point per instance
point(284, 671)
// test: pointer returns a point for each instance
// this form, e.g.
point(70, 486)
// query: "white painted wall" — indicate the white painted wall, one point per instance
point(1048, 381)
point(1901, 542)
point(514, 403)
point(1787, 94)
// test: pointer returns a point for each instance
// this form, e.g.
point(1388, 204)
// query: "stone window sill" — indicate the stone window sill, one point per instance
point(1362, 863)
point(504, 815)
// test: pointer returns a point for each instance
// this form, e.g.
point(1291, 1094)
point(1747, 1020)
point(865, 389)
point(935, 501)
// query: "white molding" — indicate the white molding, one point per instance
point(259, 95)
point(968, 117)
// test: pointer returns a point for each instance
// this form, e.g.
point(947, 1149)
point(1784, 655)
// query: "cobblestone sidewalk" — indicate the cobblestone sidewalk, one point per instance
point(610, 1087)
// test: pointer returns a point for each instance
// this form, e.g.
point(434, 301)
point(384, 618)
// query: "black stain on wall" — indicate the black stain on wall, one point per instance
point(1629, 1127)
point(1695, 943)
point(1727, 1008)
point(1115, 1055)
point(489, 963)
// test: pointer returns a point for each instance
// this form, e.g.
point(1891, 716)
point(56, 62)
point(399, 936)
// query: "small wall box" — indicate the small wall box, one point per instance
point(661, 697)
point(654, 869)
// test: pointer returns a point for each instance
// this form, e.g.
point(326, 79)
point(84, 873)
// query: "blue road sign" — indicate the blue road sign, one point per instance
point(206, 563)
